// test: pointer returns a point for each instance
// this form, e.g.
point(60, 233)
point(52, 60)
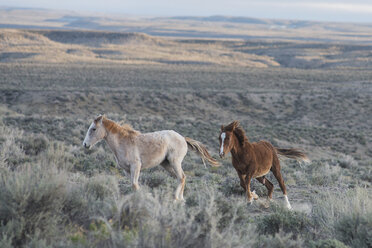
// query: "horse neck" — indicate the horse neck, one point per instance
point(238, 149)
point(113, 139)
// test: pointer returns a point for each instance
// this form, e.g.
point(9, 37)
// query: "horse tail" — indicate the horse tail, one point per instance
point(293, 153)
point(202, 151)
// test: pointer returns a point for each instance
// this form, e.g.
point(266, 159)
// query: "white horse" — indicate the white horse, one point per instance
point(135, 151)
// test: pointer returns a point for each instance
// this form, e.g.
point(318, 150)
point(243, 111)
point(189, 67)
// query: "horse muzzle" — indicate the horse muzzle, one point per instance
point(222, 155)
point(86, 145)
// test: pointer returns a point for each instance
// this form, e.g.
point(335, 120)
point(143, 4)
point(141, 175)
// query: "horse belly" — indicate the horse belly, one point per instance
point(161, 145)
point(264, 159)
point(153, 149)
point(261, 173)
point(152, 159)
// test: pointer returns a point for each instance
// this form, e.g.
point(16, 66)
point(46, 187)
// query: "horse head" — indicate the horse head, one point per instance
point(95, 133)
point(226, 138)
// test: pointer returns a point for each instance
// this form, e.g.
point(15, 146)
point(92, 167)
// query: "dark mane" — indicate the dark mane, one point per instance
point(240, 134)
point(238, 131)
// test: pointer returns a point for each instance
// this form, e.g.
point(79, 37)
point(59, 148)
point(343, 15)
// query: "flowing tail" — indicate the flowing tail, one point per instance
point(202, 151)
point(293, 153)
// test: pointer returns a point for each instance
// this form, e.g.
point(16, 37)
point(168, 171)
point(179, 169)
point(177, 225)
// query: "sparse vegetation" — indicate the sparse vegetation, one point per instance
point(53, 193)
point(284, 220)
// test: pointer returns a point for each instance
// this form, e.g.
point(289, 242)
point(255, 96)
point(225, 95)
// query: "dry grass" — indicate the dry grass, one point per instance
point(55, 193)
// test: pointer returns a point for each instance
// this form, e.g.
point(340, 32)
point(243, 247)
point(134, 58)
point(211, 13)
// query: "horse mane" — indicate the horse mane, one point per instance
point(238, 131)
point(123, 130)
point(240, 134)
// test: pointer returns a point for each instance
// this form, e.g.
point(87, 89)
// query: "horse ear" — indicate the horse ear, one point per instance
point(98, 119)
point(222, 127)
point(235, 124)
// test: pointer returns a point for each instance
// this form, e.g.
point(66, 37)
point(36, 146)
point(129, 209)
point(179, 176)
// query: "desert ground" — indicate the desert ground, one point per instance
point(302, 87)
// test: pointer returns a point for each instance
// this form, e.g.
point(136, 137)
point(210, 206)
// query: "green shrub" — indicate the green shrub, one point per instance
point(155, 178)
point(141, 219)
point(324, 174)
point(35, 242)
point(11, 154)
point(279, 240)
point(102, 187)
point(59, 155)
point(94, 161)
point(347, 161)
point(327, 243)
point(87, 198)
point(231, 186)
point(341, 214)
point(355, 230)
point(232, 212)
point(125, 185)
point(30, 203)
point(6, 240)
point(286, 220)
point(33, 145)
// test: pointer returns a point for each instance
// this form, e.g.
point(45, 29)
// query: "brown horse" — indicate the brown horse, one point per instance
point(255, 160)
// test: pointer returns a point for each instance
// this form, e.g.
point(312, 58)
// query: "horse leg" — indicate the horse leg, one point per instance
point(276, 171)
point(167, 166)
point(268, 184)
point(177, 167)
point(242, 183)
point(248, 179)
point(135, 169)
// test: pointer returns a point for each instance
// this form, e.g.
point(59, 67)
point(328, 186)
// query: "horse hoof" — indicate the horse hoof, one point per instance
point(179, 201)
point(255, 196)
point(135, 187)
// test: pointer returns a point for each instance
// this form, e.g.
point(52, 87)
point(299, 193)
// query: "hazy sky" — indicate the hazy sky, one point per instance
point(327, 10)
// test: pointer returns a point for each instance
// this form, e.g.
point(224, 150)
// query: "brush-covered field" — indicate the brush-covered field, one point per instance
point(54, 193)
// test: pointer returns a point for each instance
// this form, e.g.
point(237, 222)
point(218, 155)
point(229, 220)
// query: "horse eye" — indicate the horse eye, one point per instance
point(93, 129)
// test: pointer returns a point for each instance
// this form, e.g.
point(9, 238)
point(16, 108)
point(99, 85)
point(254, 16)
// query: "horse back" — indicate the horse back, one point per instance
point(155, 147)
point(264, 152)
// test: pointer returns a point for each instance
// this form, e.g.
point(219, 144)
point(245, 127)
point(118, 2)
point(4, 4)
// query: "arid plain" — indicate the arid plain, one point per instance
point(296, 84)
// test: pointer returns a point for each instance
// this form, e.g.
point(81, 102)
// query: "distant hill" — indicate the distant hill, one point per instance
point(95, 37)
point(205, 27)
point(86, 46)
point(246, 20)
point(219, 18)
